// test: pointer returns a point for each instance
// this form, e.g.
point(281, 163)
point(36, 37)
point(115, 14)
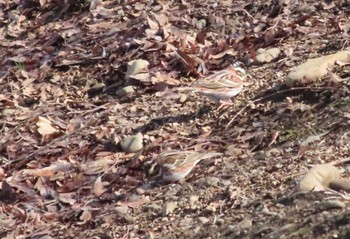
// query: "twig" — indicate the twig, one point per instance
point(273, 95)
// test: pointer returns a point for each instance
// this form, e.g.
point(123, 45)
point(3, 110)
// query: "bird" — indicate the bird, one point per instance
point(176, 165)
point(222, 85)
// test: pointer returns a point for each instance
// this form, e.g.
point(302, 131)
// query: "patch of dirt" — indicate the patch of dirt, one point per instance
point(65, 109)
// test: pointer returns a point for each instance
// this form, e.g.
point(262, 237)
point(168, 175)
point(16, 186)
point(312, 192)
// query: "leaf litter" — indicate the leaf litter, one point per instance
point(65, 171)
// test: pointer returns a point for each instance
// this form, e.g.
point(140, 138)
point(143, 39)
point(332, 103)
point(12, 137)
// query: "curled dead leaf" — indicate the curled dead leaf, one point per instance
point(86, 216)
point(98, 187)
point(137, 202)
point(46, 128)
point(49, 171)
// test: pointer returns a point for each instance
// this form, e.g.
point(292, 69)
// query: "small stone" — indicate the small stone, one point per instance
point(203, 220)
point(135, 67)
point(219, 221)
point(182, 98)
point(46, 237)
point(121, 13)
point(129, 218)
point(340, 184)
point(333, 204)
point(267, 55)
point(244, 224)
point(169, 207)
point(201, 23)
point(152, 207)
point(121, 210)
point(194, 201)
point(97, 88)
point(212, 181)
point(209, 209)
point(132, 144)
point(186, 222)
point(128, 90)
point(226, 183)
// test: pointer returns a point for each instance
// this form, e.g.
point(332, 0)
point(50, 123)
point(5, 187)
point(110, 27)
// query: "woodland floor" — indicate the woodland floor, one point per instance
point(62, 65)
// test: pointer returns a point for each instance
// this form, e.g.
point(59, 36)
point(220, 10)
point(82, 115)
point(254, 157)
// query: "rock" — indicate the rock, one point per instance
point(135, 67)
point(267, 55)
point(340, 184)
point(121, 210)
point(132, 144)
point(333, 204)
point(194, 202)
point(200, 24)
point(219, 221)
point(316, 68)
point(203, 220)
point(152, 207)
point(212, 181)
point(128, 90)
point(182, 98)
point(319, 178)
point(244, 225)
point(46, 237)
point(169, 207)
point(98, 87)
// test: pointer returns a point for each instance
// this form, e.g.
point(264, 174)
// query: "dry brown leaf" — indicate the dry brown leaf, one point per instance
point(189, 62)
point(86, 216)
point(67, 198)
point(152, 24)
point(8, 223)
point(49, 171)
point(45, 127)
point(74, 124)
point(42, 2)
point(98, 166)
point(137, 202)
point(2, 174)
point(98, 187)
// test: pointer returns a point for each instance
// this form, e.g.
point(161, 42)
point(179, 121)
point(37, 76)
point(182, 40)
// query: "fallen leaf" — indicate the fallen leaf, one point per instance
point(86, 216)
point(49, 171)
point(98, 187)
point(135, 203)
point(45, 128)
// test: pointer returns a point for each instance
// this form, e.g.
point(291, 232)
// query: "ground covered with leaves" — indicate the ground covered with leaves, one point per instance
point(76, 77)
